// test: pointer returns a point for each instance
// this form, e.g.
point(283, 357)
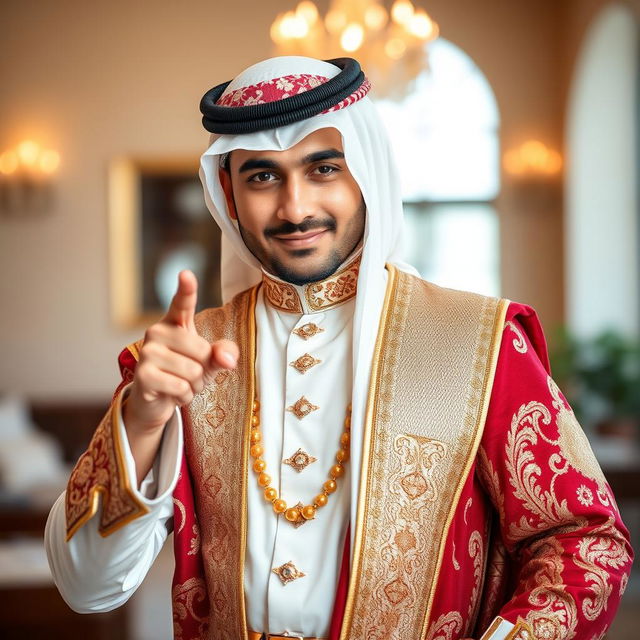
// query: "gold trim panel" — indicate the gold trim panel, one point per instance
point(417, 458)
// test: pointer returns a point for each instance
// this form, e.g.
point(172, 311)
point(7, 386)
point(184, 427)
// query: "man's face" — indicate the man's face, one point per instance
point(300, 211)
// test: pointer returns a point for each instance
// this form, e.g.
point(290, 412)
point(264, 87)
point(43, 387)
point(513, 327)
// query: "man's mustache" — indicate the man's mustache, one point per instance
point(287, 228)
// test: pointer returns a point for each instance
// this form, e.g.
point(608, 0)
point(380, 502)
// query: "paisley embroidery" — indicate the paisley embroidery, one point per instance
point(519, 343)
point(555, 613)
point(476, 552)
point(190, 601)
point(456, 564)
point(194, 543)
point(574, 444)
point(526, 427)
point(595, 554)
point(446, 627)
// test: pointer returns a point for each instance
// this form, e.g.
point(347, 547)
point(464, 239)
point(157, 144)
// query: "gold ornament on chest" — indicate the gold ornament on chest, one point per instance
point(288, 572)
point(300, 513)
point(299, 460)
point(304, 363)
point(302, 408)
point(308, 330)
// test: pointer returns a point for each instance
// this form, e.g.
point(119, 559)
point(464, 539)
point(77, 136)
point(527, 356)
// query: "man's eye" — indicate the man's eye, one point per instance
point(326, 169)
point(263, 176)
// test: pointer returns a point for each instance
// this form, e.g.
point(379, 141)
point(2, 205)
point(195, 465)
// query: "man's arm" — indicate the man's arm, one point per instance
point(97, 573)
point(98, 562)
point(558, 519)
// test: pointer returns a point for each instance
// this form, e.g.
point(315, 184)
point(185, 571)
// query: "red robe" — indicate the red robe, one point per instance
point(536, 537)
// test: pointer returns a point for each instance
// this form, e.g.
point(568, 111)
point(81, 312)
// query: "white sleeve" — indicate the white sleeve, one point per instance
point(94, 573)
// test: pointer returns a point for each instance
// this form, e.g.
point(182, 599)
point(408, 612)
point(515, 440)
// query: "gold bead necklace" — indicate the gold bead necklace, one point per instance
point(298, 514)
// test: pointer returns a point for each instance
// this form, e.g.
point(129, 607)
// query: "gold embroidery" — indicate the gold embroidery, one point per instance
point(335, 290)
point(584, 495)
point(187, 600)
point(281, 295)
point(574, 444)
point(183, 515)
point(476, 552)
point(101, 471)
point(466, 508)
point(308, 330)
point(288, 572)
point(324, 294)
point(304, 363)
point(299, 460)
point(555, 613)
point(194, 543)
point(416, 458)
point(302, 408)
point(603, 548)
point(624, 581)
point(221, 488)
point(456, 564)
point(446, 627)
point(519, 342)
point(526, 427)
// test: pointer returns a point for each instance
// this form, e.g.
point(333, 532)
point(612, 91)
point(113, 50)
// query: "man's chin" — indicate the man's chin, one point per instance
point(306, 271)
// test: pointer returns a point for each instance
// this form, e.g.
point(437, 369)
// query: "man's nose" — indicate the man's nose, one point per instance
point(296, 200)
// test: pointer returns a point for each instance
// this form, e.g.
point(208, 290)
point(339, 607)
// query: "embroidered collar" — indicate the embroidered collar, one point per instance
point(315, 296)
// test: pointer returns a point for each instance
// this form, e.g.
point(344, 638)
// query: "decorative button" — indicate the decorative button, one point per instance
point(304, 363)
point(302, 408)
point(299, 460)
point(288, 572)
point(308, 330)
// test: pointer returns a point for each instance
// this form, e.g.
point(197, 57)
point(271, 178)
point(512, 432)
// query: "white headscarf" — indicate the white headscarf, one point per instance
point(369, 158)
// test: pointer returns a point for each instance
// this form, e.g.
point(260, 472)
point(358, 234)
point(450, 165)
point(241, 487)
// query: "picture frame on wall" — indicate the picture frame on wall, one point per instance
point(158, 225)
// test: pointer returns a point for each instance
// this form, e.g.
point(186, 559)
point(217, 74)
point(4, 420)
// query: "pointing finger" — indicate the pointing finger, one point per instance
point(183, 305)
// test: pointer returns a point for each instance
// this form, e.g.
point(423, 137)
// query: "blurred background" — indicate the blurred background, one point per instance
point(516, 127)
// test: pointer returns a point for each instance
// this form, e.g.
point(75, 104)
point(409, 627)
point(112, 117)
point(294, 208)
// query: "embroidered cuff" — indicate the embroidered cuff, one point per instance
point(501, 629)
point(102, 471)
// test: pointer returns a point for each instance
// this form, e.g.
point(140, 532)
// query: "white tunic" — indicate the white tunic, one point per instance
point(99, 574)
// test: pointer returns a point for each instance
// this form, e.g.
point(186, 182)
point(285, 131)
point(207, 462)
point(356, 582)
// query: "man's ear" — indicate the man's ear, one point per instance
point(225, 181)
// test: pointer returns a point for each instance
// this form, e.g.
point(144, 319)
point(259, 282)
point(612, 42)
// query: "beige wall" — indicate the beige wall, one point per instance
point(97, 80)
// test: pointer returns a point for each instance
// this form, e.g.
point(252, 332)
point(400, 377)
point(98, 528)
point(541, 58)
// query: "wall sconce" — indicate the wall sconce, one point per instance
point(25, 178)
point(533, 160)
point(535, 171)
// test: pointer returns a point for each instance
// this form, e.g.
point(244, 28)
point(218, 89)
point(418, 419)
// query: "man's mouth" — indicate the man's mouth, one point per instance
point(298, 240)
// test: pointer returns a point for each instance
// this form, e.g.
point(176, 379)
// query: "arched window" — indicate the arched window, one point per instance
point(445, 138)
point(603, 178)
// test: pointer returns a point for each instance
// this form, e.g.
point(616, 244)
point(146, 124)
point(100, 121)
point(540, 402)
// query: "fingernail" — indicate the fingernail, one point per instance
point(229, 358)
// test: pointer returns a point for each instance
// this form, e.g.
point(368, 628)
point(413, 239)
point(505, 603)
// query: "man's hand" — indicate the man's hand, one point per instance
point(175, 363)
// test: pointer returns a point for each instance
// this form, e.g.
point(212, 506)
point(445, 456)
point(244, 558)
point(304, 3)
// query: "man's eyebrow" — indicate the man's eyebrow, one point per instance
point(266, 163)
point(325, 154)
point(258, 163)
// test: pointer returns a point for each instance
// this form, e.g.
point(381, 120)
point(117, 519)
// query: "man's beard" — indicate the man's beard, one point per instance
point(329, 266)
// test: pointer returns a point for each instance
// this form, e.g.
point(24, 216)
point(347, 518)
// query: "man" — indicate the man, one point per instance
point(365, 455)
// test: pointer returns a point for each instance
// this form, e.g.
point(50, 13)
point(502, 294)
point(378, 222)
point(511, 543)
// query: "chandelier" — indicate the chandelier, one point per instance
point(390, 45)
